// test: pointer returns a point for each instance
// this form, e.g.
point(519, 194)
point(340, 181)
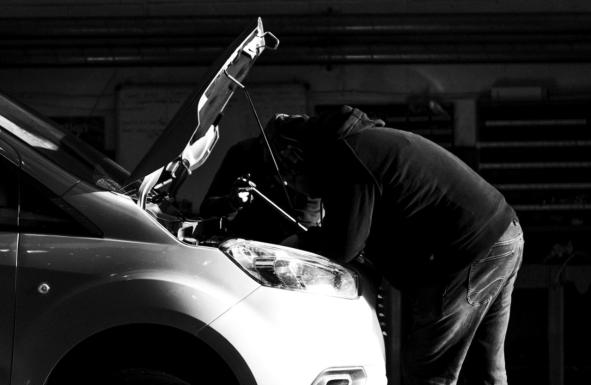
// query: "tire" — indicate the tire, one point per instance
point(140, 376)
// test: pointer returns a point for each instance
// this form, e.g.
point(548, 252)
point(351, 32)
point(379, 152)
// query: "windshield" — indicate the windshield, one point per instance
point(60, 147)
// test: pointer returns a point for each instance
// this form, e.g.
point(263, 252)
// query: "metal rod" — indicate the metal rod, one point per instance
point(256, 115)
point(279, 209)
point(281, 179)
point(283, 182)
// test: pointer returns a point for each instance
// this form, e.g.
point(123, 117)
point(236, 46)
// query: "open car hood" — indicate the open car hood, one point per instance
point(189, 138)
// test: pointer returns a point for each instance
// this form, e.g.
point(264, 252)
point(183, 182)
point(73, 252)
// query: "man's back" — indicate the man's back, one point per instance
point(425, 201)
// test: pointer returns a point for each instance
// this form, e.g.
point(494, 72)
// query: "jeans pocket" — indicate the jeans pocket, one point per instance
point(488, 274)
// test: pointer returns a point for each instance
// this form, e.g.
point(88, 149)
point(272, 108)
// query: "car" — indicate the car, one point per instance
point(102, 282)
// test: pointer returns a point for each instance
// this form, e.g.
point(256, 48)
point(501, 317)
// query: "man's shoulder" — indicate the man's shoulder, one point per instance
point(373, 139)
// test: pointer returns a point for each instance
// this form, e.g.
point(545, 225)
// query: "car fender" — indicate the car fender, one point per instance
point(96, 287)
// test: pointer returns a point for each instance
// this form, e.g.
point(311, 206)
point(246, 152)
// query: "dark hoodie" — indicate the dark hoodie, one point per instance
point(407, 201)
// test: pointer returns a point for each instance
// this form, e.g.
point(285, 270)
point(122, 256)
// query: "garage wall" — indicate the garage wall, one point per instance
point(78, 92)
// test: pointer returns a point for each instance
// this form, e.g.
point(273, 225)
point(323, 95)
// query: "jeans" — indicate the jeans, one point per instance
point(463, 318)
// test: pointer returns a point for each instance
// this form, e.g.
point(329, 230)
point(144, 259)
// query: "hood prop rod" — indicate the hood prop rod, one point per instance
point(256, 115)
point(253, 188)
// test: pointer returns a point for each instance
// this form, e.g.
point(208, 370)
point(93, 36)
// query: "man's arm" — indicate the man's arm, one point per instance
point(347, 224)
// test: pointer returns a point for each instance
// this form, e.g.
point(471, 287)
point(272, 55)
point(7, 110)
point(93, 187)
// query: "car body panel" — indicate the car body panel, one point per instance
point(308, 329)
point(8, 252)
point(104, 208)
point(9, 153)
point(8, 259)
point(96, 284)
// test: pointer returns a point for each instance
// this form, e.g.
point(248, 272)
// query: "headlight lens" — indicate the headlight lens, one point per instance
point(292, 269)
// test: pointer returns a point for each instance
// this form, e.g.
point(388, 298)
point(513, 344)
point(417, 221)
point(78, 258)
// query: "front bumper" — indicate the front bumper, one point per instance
point(288, 337)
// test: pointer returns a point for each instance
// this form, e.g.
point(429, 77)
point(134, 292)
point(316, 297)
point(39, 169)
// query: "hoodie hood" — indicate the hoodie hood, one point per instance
point(304, 131)
point(300, 143)
point(342, 123)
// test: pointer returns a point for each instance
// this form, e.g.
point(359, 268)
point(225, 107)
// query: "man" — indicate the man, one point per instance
point(250, 216)
point(434, 227)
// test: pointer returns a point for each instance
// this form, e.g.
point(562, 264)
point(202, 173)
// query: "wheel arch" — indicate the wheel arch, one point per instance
point(162, 347)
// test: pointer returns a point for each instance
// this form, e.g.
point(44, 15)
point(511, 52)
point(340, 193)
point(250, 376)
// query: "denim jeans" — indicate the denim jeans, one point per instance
point(463, 318)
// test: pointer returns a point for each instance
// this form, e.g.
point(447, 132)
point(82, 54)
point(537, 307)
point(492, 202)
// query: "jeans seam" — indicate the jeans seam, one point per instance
point(501, 243)
point(471, 292)
point(507, 241)
point(491, 258)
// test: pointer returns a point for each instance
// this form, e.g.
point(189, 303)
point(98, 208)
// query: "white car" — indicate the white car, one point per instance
point(99, 285)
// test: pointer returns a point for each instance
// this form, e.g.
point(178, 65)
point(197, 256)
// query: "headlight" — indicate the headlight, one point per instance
point(292, 269)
